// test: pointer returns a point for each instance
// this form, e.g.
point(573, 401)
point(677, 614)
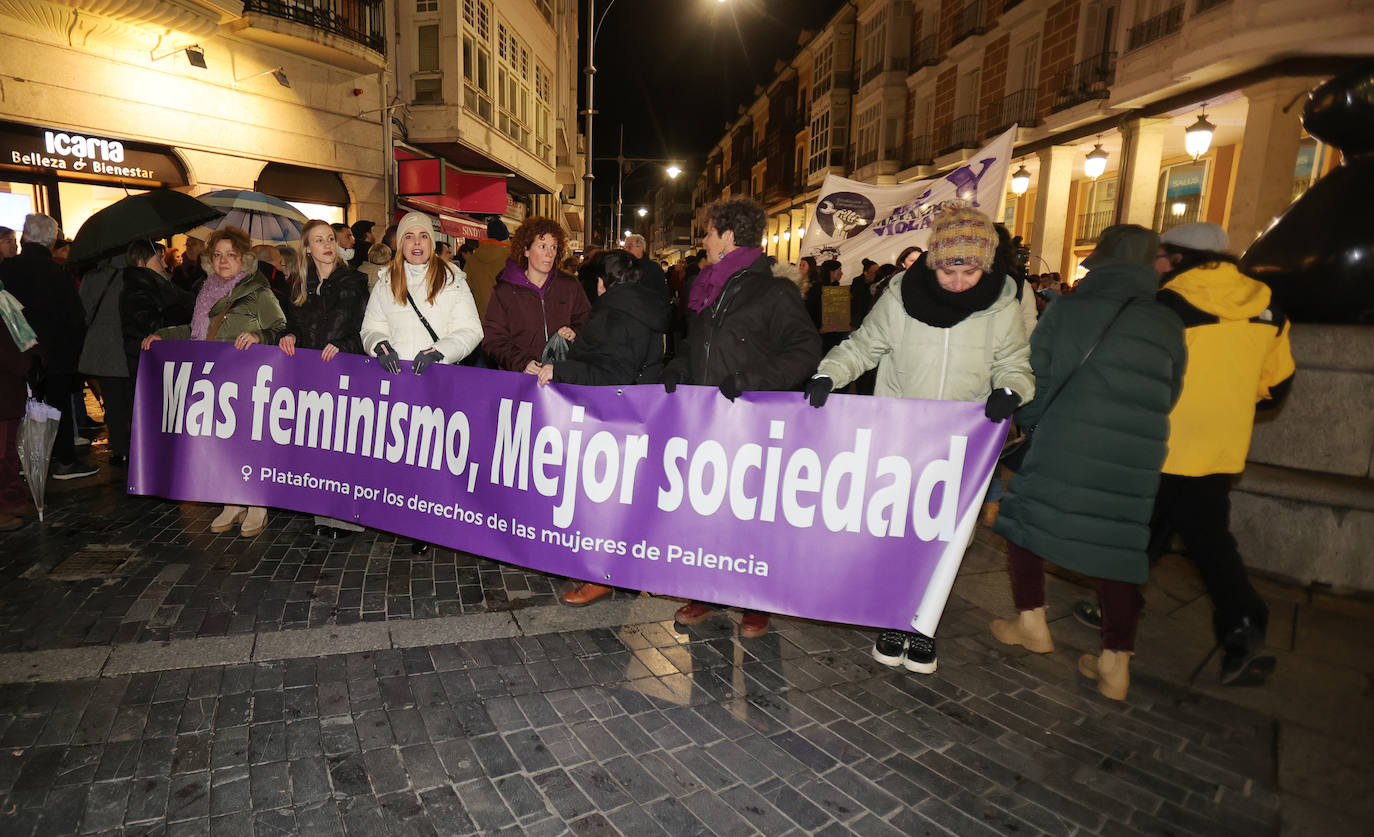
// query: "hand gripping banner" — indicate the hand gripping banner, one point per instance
point(858, 512)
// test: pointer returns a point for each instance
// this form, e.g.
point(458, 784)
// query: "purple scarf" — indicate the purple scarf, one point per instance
point(211, 292)
point(712, 278)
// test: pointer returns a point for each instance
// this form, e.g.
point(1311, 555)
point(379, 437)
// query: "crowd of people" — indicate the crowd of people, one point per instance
point(1138, 384)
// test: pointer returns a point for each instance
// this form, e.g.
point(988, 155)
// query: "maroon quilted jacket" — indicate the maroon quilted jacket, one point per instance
point(521, 318)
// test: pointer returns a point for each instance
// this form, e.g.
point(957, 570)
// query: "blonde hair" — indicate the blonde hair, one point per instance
point(299, 277)
point(436, 274)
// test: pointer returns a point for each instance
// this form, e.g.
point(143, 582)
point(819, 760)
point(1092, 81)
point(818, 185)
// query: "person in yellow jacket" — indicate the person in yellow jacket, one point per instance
point(1239, 358)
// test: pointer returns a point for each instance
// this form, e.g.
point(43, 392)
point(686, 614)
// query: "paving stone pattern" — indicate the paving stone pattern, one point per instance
point(226, 584)
point(640, 730)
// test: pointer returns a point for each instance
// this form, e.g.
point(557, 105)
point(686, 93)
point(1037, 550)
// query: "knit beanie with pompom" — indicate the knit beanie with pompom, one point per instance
point(961, 236)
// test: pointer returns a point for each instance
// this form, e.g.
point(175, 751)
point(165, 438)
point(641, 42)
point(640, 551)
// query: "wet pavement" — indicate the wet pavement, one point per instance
point(212, 684)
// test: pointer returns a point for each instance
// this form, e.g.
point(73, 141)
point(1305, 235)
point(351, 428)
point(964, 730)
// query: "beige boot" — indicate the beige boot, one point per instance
point(1112, 671)
point(1029, 630)
point(226, 519)
point(254, 521)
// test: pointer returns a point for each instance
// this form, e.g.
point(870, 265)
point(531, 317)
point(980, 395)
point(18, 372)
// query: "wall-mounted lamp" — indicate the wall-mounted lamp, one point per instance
point(1095, 164)
point(1020, 181)
point(277, 73)
point(1178, 208)
point(1198, 138)
point(673, 170)
point(786, 235)
point(641, 212)
point(194, 54)
point(801, 233)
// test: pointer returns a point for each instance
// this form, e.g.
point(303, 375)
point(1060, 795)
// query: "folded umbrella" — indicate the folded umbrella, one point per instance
point(37, 432)
point(152, 215)
point(263, 217)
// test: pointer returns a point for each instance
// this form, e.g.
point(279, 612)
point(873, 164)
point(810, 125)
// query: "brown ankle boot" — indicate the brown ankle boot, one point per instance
point(584, 594)
point(1029, 630)
point(1111, 670)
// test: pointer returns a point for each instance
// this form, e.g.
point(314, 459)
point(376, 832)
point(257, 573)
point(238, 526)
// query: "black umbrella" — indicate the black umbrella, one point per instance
point(155, 214)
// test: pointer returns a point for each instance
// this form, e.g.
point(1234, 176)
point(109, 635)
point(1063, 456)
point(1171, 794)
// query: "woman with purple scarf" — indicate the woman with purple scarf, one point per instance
point(750, 332)
point(235, 304)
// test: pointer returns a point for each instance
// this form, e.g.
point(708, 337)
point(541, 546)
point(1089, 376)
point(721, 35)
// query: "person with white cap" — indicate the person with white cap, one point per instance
point(1239, 358)
point(949, 329)
point(421, 308)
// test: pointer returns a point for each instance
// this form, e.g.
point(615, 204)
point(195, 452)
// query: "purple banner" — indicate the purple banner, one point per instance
point(858, 512)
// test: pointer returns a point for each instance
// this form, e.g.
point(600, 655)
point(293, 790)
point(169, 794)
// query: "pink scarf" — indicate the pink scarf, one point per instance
point(712, 278)
point(212, 291)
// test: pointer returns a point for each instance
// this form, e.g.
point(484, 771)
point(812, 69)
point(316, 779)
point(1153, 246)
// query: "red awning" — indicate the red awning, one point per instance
point(438, 183)
point(459, 226)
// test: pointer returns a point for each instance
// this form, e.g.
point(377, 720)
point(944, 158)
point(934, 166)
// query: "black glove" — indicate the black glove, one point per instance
point(387, 357)
point(1001, 404)
point(672, 376)
point(425, 358)
point(733, 386)
point(818, 389)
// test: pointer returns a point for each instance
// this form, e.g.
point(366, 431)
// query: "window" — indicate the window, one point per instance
point(821, 76)
point(513, 80)
point(874, 43)
point(477, 57)
point(1030, 62)
point(820, 143)
point(1182, 189)
point(427, 49)
point(543, 128)
point(867, 146)
point(422, 6)
point(968, 93)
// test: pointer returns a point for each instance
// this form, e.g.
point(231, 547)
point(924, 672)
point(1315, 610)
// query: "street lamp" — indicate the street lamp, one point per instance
point(1198, 138)
point(1095, 164)
point(641, 212)
point(1020, 181)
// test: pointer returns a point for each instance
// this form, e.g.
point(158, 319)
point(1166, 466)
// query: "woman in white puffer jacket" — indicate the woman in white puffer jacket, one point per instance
point(421, 308)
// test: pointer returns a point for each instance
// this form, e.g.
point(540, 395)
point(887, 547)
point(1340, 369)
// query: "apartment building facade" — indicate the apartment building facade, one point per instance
point(102, 98)
point(488, 88)
point(893, 91)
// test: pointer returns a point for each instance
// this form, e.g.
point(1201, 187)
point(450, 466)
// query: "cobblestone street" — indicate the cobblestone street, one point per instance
point(210, 684)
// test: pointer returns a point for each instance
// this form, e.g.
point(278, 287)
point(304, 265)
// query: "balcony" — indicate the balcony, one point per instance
point(918, 151)
point(924, 53)
point(1084, 81)
point(345, 33)
point(1016, 109)
point(961, 133)
point(1091, 225)
point(971, 20)
point(1160, 26)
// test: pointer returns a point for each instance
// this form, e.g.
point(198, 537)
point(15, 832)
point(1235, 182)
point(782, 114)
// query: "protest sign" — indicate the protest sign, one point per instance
point(854, 220)
point(858, 512)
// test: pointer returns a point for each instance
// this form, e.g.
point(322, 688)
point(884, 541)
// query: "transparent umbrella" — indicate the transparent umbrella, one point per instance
point(37, 431)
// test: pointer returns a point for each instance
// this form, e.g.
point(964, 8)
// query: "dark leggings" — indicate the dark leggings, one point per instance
point(1121, 600)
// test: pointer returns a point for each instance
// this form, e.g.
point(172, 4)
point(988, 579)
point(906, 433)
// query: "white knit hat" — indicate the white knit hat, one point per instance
point(414, 219)
point(1198, 236)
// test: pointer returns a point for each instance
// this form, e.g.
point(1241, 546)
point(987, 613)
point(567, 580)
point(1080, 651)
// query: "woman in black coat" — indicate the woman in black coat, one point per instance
point(325, 312)
point(751, 332)
point(622, 340)
point(620, 343)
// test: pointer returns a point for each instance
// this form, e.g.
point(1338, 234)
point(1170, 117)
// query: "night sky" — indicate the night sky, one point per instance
point(675, 71)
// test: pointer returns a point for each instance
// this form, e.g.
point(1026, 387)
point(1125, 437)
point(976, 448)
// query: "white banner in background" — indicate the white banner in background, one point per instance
point(856, 220)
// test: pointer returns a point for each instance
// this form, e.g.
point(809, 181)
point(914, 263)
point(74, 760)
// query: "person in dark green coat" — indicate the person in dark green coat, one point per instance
point(1084, 495)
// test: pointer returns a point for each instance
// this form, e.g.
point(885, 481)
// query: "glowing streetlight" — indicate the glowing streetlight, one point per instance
point(1095, 164)
point(1198, 138)
point(674, 169)
point(1020, 181)
point(641, 212)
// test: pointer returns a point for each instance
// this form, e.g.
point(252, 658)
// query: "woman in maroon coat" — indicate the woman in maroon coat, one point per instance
point(532, 300)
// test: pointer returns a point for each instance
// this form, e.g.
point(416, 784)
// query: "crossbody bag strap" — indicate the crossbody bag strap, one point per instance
point(214, 327)
point(432, 336)
point(1086, 355)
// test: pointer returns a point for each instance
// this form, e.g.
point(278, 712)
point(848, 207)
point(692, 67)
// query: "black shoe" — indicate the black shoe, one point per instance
point(72, 470)
point(419, 548)
point(920, 654)
point(1089, 613)
point(889, 647)
point(332, 533)
point(1243, 660)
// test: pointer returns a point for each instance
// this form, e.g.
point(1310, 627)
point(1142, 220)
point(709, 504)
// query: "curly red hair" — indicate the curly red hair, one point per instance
point(531, 229)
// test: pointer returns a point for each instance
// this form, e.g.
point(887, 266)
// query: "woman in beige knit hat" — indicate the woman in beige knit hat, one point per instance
point(948, 329)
